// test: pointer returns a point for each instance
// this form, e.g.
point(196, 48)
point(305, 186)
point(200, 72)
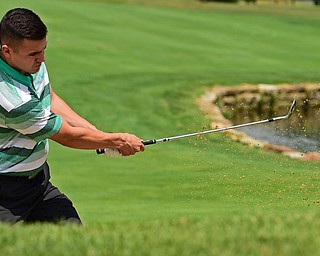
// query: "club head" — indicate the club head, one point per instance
point(294, 103)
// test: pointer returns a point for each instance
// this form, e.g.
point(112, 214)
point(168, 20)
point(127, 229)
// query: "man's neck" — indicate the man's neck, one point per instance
point(4, 59)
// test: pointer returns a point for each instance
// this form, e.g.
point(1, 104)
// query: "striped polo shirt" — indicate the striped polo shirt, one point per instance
point(26, 122)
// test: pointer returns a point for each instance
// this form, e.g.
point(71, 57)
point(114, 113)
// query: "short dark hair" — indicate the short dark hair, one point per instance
point(20, 23)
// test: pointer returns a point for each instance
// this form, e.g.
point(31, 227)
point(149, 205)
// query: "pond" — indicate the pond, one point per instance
point(301, 132)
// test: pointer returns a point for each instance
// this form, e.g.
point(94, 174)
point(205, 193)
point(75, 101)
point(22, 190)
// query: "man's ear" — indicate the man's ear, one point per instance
point(6, 50)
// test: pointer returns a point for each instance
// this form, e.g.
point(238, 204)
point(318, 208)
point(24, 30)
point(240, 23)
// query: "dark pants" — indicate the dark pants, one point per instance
point(34, 200)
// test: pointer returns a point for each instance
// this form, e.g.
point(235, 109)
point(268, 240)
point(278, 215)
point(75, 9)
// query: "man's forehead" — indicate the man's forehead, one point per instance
point(33, 45)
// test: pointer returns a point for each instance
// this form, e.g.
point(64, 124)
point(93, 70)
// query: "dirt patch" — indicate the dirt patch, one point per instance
point(255, 94)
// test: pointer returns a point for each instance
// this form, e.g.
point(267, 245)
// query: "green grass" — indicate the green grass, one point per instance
point(138, 66)
point(255, 234)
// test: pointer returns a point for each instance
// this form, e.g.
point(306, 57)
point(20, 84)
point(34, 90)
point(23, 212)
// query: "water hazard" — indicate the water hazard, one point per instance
point(300, 132)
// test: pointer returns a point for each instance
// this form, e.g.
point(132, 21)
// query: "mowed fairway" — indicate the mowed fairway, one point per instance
point(138, 67)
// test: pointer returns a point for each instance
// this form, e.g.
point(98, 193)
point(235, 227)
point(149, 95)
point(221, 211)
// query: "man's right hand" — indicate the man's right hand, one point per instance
point(129, 144)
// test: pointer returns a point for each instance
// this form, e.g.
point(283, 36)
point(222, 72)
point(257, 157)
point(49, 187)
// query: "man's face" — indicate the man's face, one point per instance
point(27, 57)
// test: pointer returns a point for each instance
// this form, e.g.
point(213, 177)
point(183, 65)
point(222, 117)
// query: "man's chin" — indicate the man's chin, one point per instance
point(35, 69)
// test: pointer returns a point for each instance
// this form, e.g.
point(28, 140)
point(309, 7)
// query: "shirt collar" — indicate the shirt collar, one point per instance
point(15, 74)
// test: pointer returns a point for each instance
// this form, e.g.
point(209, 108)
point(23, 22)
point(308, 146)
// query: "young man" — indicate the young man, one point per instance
point(30, 114)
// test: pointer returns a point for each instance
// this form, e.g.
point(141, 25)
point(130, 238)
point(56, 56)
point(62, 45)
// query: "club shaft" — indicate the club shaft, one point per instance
point(148, 142)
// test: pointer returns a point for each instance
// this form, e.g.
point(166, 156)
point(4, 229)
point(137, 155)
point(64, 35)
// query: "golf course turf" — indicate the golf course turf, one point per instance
point(138, 67)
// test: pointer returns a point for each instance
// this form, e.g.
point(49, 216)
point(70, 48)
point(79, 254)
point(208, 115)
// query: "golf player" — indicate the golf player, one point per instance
point(30, 114)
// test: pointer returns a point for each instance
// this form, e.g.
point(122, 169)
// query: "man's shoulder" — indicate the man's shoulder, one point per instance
point(12, 94)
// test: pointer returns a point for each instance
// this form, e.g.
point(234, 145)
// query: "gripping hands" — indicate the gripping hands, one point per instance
point(124, 144)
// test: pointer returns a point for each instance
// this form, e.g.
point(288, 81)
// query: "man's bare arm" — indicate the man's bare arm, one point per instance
point(86, 138)
point(76, 132)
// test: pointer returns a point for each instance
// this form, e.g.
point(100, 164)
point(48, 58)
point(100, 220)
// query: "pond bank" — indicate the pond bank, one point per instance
point(263, 97)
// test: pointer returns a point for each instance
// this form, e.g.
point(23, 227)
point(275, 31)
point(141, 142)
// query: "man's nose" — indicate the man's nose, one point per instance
point(41, 57)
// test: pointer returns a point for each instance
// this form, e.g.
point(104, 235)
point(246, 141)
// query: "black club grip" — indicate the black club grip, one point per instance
point(149, 142)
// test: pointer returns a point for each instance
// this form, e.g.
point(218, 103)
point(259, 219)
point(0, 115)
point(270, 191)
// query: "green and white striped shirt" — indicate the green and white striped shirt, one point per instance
point(26, 122)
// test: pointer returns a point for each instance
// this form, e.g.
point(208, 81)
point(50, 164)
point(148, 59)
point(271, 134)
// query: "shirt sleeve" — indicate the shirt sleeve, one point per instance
point(36, 124)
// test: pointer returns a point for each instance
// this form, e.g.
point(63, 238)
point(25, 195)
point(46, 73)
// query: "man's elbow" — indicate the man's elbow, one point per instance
point(67, 135)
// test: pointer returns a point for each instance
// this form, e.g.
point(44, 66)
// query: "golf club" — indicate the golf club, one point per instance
point(149, 142)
